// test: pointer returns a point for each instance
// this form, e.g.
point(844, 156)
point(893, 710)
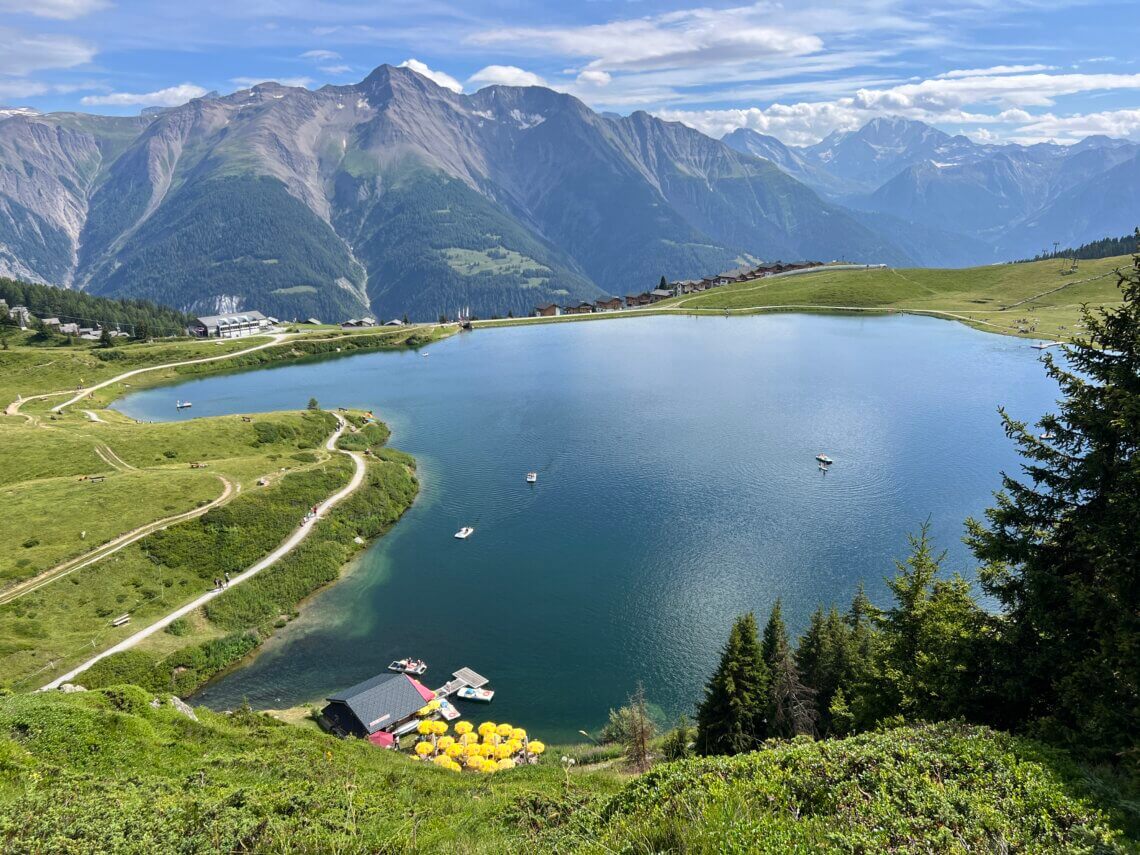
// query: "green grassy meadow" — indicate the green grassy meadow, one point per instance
point(75, 481)
point(246, 782)
point(1004, 298)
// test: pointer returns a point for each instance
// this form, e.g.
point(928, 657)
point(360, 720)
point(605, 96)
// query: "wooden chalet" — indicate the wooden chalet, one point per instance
point(607, 304)
point(546, 310)
point(373, 709)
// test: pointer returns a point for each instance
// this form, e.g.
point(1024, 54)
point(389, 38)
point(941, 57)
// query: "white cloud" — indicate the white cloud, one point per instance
point(335, 69)
point(993, 70)
point(250, 82)
point(505, 75)
point(63, 10)
point(172, 96)
point(320, 55)
point(962, 101)
point(675, 39)
point(594, 77)
point(23, 53)
point(438, 77)
point(21, 88)
point(1113, 123)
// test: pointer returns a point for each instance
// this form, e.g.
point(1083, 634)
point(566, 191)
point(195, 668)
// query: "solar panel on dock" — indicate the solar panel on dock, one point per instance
point(470, 678)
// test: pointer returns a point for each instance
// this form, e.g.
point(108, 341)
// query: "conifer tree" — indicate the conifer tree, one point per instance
point(774, 631)
point(1060, 549)
point(731, 718)
point(791, 701)
point(790, 708)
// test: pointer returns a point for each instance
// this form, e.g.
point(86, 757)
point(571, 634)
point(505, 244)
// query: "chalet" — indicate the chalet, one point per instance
point(375, 708)
point(235, 325)
point(582, 308)
point(546, 310)
point(395, 322)
point(659, 294)
point(353, 323)
point(635, 300)
point(607, 304)
point(69, 329)
point(51, 324)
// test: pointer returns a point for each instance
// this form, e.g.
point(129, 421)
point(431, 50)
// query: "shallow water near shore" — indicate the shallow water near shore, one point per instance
point(677, 487)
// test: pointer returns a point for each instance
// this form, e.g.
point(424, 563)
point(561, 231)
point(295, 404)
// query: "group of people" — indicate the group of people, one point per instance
point(219, 584)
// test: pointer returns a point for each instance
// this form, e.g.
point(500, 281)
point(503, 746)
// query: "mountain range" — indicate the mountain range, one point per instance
point(396, 196)
point(989, 202)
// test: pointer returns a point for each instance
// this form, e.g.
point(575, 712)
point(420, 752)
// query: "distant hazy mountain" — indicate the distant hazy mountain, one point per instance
point(951, 200)
point(393, 196)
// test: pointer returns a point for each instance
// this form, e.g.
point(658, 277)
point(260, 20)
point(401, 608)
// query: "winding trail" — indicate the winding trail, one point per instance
point(274, 339)
point(290, 543)
point(112, 546)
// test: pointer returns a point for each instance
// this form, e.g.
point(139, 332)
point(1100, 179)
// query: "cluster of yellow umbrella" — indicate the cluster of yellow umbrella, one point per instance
point(493, 748)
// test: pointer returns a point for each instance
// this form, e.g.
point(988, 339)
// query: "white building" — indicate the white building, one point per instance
point(234, 325)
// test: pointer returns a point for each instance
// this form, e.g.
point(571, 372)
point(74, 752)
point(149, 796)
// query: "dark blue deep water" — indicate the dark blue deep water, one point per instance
point(677, 488)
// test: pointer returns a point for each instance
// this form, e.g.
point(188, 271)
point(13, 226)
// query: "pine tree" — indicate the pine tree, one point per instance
point(1060, 549)
point(774, 631)
point(826, 661)
point(791, 710)
point(105, 339)
point(862, 689)
point(663, 284)
point(731, 718)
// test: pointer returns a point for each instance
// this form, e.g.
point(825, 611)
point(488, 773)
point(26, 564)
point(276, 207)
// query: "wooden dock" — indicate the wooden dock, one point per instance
point(463, 677)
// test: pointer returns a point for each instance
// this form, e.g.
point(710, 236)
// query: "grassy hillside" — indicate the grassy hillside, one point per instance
point(245, 782)
point(1006, 298)
point(106, 516)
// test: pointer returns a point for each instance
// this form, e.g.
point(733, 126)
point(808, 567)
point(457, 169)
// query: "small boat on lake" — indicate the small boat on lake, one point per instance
point(470, 693)
point(449, 712)
point(408, 666)
point(182, 405)
point(1045, 345)
point(824, 459)
point(465, 532)
point(531, 477)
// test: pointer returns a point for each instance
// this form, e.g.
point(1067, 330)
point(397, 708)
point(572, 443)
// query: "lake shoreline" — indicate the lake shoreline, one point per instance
point(551, 567)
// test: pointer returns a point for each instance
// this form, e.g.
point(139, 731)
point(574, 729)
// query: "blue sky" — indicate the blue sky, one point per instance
point(1023, 70)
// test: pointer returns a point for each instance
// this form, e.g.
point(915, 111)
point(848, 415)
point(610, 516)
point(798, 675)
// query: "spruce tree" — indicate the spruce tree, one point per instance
point(731, 718)
point(791, 708)
point(774, 631)
point(826, 661)
point(1060, 548)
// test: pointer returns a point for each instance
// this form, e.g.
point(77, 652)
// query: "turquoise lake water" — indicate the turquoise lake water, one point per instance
point(677, 488)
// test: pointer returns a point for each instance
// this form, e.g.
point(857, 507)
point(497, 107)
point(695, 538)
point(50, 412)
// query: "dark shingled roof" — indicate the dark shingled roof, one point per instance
point(383, 700)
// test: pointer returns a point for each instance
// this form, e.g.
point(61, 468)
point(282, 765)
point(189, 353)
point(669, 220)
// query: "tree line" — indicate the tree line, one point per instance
point(1058, 552)
point(139, 318)
point(1106, 247)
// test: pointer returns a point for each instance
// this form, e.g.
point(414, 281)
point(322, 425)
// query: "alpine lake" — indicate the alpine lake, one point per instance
point(677, 488)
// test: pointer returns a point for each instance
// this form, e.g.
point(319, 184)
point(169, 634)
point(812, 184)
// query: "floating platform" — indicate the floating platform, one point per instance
point(470, 693)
